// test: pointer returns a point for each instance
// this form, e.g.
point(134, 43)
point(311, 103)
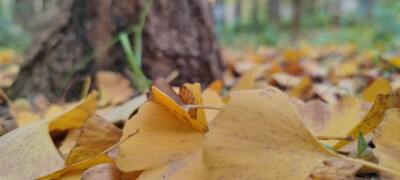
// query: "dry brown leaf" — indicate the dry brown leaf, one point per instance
point(114, 88)
point(96, 135)
point(69, 142)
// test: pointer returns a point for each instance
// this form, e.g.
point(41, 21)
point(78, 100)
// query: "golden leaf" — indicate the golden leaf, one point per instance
point(191, 94)
point(179, 113)
point(373, 118)
point(386, 140)
point(379, 86)
point(248, 78)
point(77, 115)
point(96, 135)
point(258, 135)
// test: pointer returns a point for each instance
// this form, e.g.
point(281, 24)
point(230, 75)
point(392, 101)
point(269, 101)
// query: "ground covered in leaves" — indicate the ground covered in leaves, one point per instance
point(326, 112)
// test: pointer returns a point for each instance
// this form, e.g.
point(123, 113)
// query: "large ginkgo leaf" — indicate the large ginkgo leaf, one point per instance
point(258, 135)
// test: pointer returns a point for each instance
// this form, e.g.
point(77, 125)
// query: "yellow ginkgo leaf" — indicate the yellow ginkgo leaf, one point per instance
point(216, 86)
point(258, 135)
point(101, 158)
point(348, 68)
point(379, 86)
point(395, 62)
point(24, 148)
point(80, 166)
point(124, 111)
point(160, 98)
point(191, 94)
point(75, 116)
point(302, 90)
point(387, 142)
point(69, 142)
point(28, 152)
point(191, 167)
point(102, 171)
point(161, 140)
point(248, 78)
point(211, 98)
point(96, 135)
point(114, 88)
point(372, 119)
point(336, 120)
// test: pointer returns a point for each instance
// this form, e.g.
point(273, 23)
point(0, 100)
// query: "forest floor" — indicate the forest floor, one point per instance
point(326, 112)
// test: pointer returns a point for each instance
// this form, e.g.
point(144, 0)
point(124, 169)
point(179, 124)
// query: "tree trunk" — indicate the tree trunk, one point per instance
point(296, 18)
point(254, 14)
point(178, 35)
point(273, 12)
point(238, 14)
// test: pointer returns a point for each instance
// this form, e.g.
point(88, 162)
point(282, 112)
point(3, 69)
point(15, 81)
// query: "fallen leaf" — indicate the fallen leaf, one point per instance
point(216, 86)
point(331, 120)
point(191, 95)
point(96, 135)
point(114, 88)
point(379, 86)
point(191, 167)
point(372, 119)
point(248, 78)
point(102, 171)
point(211, 98)
point(24, 148)
point(347, 69)
point(303, 90)
point(386, 140)
point(28, 152)
point(8, 73)
point(336, 170)
point(258, 135)
point(124, 111)
point(162, 99)
point(162, 140)
point(69, 142)
point(75, 116)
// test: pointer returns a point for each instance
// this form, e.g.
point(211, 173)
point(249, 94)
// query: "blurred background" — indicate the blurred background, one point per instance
point(238, 23)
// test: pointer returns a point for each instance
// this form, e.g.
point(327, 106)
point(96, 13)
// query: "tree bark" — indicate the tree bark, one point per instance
point(178, 35)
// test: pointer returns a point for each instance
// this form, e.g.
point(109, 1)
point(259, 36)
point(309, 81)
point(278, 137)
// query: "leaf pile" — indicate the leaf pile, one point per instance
point(298, 113)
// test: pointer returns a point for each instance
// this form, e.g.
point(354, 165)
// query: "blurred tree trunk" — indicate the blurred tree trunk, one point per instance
point(178, 35)
point(254, 14)
point(296, 18)
point(309, 6)
point(273, 12)
point(336, 12)
point(238, 14)
point(365, 8)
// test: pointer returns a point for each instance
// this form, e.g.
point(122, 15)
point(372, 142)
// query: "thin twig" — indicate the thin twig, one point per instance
point(191, 106)
point(348, 138)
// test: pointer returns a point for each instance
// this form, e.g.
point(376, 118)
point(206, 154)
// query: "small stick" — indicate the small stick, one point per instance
point(348, 138)
point(191, 106)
